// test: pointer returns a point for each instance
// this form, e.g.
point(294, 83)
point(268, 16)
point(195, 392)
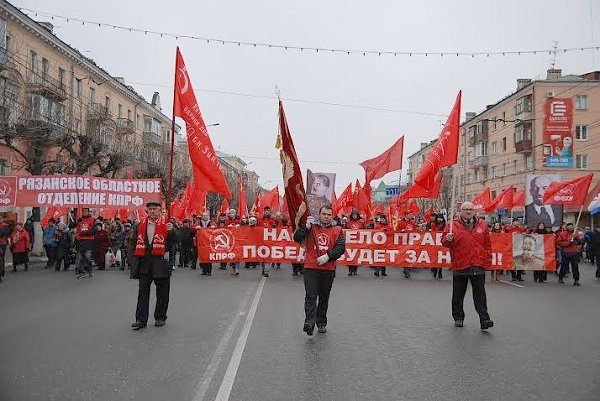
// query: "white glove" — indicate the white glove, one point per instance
point(310, 220)
point(321, 260)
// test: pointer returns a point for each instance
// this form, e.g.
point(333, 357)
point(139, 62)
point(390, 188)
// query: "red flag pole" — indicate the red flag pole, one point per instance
point(172, 151)
point(452, 200)
point(577, 222)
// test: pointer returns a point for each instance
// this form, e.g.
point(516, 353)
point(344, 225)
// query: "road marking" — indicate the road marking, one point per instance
point(236, 357)
point(215, 360)
point(508, 282)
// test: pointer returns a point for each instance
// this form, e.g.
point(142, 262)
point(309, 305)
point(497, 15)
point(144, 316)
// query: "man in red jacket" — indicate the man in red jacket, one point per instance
point(324, 245)
point(470, 251)
point(570, 245)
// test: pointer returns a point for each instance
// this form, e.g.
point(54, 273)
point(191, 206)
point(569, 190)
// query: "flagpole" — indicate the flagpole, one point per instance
point(452, 200)
point(577, 222)
point(172, 151)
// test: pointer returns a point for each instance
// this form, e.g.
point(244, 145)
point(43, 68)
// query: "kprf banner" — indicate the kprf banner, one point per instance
point(558, 136)
point(78, 191)
point(364, 248)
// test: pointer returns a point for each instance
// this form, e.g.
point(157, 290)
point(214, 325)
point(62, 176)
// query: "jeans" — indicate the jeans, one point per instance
point(51, 254)
point(573, 260)
point(459, 289)
point(317, 284)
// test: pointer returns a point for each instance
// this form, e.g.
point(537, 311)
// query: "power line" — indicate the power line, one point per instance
point(311, 49)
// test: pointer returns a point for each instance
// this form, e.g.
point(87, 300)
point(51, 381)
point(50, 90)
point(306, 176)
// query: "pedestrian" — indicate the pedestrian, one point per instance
point(570, 244)
point(84, 237)
point(149, 265)
point(470, 253)
point(324, 245)
point(186, 243)
point(381, 225)
point(233, 220)
point(407, 225)
point(127, 233)
point(516, 228)
point(540, 275)
point(28, 226)
point(354, 222)
point(63, 247)
point(20, 246)
point(5, 230)
point(101, 244)
point(596, 249)
point(173, 245)
point(266, 221)
point(587, 236)
point(203, 224)
point(49, 241)
point(439, 225)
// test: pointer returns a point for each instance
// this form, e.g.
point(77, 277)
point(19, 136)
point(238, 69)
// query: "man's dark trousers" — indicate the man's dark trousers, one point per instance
point(317, 284)
point(459, 289)
point(162, 297)
point(573, 259)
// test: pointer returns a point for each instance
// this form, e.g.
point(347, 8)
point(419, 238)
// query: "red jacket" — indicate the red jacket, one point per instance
point(267, 222)
point(469, 247)
point(355, 224)
point(84, 231)
point(20, 242)
point(330, 240)
point(563, 242)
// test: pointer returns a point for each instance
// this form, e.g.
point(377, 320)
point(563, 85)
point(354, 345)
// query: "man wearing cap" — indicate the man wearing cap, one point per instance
point(186, 241)
point(150, 263)
point(470, 253)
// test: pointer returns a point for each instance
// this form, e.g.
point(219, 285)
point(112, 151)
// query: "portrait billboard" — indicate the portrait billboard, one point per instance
point(535, 211)
point(319, 190)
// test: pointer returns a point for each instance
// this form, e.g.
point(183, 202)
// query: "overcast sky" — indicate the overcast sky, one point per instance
point(330, 138)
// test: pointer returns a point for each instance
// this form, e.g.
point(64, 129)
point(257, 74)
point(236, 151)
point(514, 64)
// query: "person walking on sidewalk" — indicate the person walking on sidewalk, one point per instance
point(324, 245)
point(470, 253)
point(570, 244)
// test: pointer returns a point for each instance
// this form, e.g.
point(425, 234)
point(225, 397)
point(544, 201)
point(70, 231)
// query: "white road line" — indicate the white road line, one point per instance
point(236, 357)
point(215, 360)
point(508, 282)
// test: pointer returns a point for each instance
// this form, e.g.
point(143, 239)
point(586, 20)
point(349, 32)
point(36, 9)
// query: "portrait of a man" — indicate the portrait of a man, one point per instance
point(320, 188)
point(528, 252)
point(535, 211)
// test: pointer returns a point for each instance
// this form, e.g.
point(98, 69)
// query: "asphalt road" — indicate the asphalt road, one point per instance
point(240, 338)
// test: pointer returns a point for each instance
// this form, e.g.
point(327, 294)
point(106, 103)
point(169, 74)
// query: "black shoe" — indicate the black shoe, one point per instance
point(376, 273)
point(561, 281)
point(406, 275)
point(384, 274)
point(513, 280)
point(577, 284)
point(351, 274)
point(138, 325)
point(265, 274)
point(322, 329)
point(160, 323)
point(209, 274)
point(486, 324)
point(458, 323)
point(203, 274)
point(308, 329)
point(520, 279)
point(122, 268)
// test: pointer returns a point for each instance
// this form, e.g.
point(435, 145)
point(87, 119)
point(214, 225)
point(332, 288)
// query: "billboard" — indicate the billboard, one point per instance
point(319, 191)
point(558, 134)
point(535, 211)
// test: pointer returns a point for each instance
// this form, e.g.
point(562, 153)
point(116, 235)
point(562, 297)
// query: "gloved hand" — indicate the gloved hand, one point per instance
point(321, 260)
point(310, 220)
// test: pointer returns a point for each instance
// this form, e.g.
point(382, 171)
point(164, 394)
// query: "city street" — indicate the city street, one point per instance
point(241, 339)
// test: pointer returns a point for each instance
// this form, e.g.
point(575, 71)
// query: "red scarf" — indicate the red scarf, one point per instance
point(158, 242)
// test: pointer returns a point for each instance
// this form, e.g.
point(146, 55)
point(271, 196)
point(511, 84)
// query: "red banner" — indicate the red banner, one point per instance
point(78, 191)
point(370, 248)
point(558, 136)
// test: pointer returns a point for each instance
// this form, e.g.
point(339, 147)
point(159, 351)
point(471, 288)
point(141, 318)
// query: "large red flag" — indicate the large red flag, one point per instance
point(242, 202)
point(416, 191)
point(54, 212)
point(342, 203)
point(388, 161)
point(224, 206)
point(271, 199)
point(483, 200)
point(445, 150)
point(295, 194)
point(361, 201)
point(519, 198)
point(207, 173)
point(255, 211)
point(502, 201)
point(429, 214)
point(409, 205)
point(571, 192)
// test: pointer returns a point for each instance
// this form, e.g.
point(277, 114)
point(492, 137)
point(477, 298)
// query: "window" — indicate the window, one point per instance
point(138, 121)
point(78, 126)
point(129, 115)
point(503, 171)
point(147, 124)
point(33, 67)
point(4, 167)
point(504, 144)
point(92, 95)
point(120, 110)
point(514, 167)
point(484, 173)
point(481, 149)
point(581, 102)
point(3, 37)
point(8, 43)
point(494, 147)
point(523, 105)
point(494, 123)
point(78, 88)
point(504, 119)
point(581, 133)
point(494, 172)
point(472, 131)
point(581, 161)
point(522, 133)
point(61, 78)
point(528, 162)
point(107, 103)
point(477, 176)
point(45, 69)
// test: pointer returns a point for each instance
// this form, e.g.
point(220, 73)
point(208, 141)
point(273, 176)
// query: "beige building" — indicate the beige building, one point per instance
point(60, 112)
point(502, 145)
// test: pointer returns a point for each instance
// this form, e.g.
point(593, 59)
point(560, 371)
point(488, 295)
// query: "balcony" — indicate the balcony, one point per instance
point(125, 126)
point(152, 138)
point(523, 146)
point(480, 161)
point(97, 111)
point(46, 86)
point(40, 128)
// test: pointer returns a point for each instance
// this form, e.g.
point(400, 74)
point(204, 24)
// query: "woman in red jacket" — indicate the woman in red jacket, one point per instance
point(20, 245)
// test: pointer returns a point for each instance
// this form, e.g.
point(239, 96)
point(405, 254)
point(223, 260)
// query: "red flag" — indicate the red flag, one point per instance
point(428, 214)
point(502, 201)
point(207, 173)
point(271, 199)
point(445, 150)
point(388, 161)
point(519, 198)
point(256, 206)
point(242, 201)
point(571, 192)
point(55, 213)
point(224, 206)
point(416, 191)
point(343, 201)
point(408, 206)
point(295, 193)
point(483, 200)
point(361, 201)
point(108, 214)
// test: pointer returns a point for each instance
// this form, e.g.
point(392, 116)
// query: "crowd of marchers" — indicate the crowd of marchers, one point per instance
point(87, 243)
